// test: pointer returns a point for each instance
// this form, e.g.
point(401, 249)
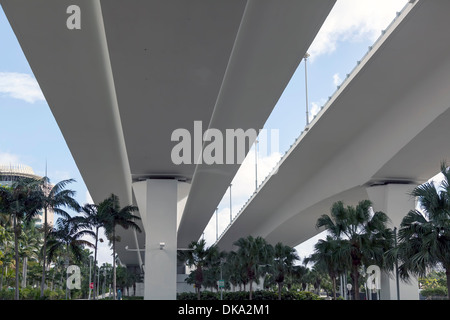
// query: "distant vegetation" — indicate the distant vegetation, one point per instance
point(34, 257)
point(357, 239)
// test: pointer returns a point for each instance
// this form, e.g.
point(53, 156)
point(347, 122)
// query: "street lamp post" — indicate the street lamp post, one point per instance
point(221, 277)
point(90, 259)
point(231, 216)
point(109, 284)
point(98, 281)
point(349, 288)
point(396, 265)
point(104, 282)
point(306, 86)
point(256, 164)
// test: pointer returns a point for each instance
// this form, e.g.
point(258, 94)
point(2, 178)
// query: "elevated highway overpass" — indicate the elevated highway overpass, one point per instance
point(383, 132)
point(121, 76)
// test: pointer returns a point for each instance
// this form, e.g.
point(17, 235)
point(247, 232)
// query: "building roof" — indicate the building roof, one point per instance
point(20, 170)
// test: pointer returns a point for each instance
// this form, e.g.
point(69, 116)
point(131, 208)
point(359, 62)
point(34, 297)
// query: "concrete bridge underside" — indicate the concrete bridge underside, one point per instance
point(381, 134)
point(137, 70)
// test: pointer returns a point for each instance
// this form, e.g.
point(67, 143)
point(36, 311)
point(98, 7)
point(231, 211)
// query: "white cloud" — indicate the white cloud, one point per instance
point(315, 108)
point(9, 158)
point(337, 79)
point(354, 20)
point(20, 86)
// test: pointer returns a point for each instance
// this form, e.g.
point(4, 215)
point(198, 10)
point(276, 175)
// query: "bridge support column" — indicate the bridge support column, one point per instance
point(395, 201)
point(157, 201)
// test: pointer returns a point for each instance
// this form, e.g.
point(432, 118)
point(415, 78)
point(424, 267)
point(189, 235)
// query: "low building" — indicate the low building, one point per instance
point(11, 173)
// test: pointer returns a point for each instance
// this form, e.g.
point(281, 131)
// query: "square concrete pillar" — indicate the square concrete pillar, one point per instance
point(396, 202)
point(157, 200)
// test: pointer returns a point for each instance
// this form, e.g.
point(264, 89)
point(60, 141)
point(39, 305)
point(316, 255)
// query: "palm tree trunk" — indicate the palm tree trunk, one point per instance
point(67, 265)
point(250, 286)
point(61, 280)
point(447, 273)
point(355, 283)
point(24, 272)
point(95, 260)
point(198, 280)
point(1, 280)
point(279, 290)
point(114, 263)
point(16, 249)
point(334, 287)
point(44, 253)
point(53, 279)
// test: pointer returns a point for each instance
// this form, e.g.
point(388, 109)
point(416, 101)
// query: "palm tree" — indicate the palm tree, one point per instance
point(253, 253)
point(298, 275)
point(104, 268)
point(424, 237)
point(31, 242)
point(234, 270)
point(315, 277)
point(199, 257)
point(364, 236)
point(114, 215)
point(20, 201)
point(54, 198)
point(59, 259)
point(68, 238)
point(126, 279)
point(213, 270)
point(96, 220)
point(283, 263)
point(7, 242)
point(329, 256)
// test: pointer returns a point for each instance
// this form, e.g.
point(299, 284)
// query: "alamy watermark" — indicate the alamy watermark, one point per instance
point(74, 20)
point(73, 277)
point(214, 146)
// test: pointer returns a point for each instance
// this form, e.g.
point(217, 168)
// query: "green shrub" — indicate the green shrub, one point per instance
point(53, 294)
point(76, 294)
point(306, 295)
point(29, 293)
point(7, 294)
point(244, 295)
point(186, 296)
point(133, 298)
point(208, 295)
point(434, 292)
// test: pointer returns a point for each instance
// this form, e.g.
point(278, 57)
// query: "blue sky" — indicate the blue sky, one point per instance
point(29, 134)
